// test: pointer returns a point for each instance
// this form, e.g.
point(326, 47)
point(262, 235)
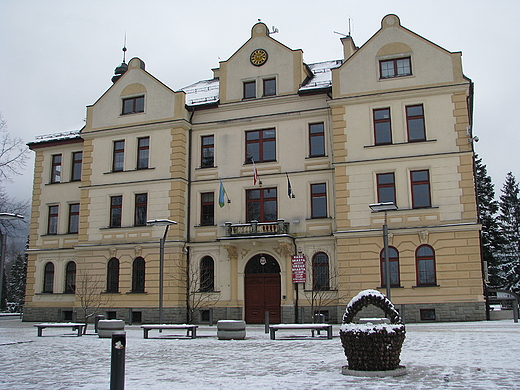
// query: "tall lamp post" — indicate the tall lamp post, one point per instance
point(3, 239)
point(166, 223)
point(385, 207)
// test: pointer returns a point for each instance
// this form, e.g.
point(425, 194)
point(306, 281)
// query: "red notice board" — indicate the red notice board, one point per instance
point(298, 269)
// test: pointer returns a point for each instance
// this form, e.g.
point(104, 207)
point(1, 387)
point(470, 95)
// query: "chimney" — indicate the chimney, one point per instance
point(349, 47)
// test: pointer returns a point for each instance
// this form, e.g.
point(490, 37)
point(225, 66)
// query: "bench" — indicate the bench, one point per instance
point(191, 330)
point(75, 326)
point(313, 327)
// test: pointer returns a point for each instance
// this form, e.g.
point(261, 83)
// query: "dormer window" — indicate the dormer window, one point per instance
point(396, 67)
point(133, 105)
point(249, 89)
point(269, 87)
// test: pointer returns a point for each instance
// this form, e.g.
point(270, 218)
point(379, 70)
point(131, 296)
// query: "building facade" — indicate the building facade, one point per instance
point(268, 170)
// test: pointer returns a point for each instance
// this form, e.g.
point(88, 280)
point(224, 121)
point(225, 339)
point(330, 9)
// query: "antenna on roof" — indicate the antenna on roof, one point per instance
point(349, 30)
point(345, 35)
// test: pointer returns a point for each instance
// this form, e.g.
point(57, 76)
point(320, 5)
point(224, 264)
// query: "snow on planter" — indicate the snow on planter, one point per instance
point(372, 347)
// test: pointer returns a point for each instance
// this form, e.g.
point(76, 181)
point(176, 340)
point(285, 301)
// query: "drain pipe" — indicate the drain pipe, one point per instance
point(186, 248)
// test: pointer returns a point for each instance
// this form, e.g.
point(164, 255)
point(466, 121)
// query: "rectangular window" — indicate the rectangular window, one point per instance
point(143, 152)
point(207, 206)
point(269, 87)
point(73, 218)
point(52, 227)
point(396, 67)
point(420, 189)
point(316, 140)
point(133, 105)
point(427, 314)
point(207, 151)
point(249, 89)
point(382, 127)
point(386, 188)
point(116, 208)
point(56, 168)
point(141, 209)
point(318, 200)
point(77, 162)
point(261, 205)
point(415, 123)
point(260, 145)
point(118, 156)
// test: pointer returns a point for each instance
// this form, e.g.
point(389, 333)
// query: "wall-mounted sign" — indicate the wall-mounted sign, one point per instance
point(299, 274)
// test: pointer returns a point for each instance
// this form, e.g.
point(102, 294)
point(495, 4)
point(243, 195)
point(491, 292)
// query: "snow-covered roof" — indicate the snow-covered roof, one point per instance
point(207, 91)
point(322, 75)
point(62, 136)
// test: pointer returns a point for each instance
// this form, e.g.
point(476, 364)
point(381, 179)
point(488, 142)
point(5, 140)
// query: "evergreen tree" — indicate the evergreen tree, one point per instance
point(16, 283)
point(509, 221)
point(487, 207)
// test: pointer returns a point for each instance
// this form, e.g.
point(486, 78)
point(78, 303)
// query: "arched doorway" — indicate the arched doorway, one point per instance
point(262, 289)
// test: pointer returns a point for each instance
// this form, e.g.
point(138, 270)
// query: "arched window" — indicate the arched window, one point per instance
point(138, 274)
point(207, 274)
point(70, 278)
point(320, 272)
point(48, 278)
point(393, 256)
point(113, 275)
point(425, 266)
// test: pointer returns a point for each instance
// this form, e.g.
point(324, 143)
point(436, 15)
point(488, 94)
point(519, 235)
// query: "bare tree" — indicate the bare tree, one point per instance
point(200, 289)
point(13, 153)
point(324, 287)
point(89, 295)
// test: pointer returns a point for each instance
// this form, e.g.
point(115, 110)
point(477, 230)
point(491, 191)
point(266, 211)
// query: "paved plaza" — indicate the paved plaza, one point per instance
point(472, 355)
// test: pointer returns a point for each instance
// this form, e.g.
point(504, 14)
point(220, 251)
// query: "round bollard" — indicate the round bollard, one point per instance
point(117, 368)
point(231, 330)
point(107, 327)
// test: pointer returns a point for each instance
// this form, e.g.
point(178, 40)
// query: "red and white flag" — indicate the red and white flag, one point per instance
point(255, 173)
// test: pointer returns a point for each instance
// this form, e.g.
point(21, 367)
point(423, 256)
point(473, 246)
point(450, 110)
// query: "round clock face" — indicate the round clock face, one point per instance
point(258, 57)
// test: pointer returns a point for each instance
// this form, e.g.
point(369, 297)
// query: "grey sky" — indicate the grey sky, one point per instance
point(58, 56)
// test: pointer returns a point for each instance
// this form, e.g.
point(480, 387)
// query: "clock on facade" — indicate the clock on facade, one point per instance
point(258, 57)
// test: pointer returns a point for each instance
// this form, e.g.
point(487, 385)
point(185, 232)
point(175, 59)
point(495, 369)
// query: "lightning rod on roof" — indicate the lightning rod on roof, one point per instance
point(124, 50)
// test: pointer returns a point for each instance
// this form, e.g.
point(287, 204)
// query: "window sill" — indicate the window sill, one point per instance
point(111, 292)
point(137, 292)
point(318, 291)
point(129, 170)
point(399, 143)
point(320, 156)
point(63, 182)
point(207, 292)
point(317, 218)
point(426, 285)
point(124, 227)
point(208, 167)
point(384, 287)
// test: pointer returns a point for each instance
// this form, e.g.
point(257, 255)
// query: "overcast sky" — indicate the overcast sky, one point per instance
point(58, 56)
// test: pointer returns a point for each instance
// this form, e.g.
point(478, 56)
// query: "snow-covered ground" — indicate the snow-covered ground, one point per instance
point(472, 355)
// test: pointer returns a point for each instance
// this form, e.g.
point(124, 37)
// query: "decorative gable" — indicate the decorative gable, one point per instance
point(136, 97)
point(396, 58)
point(261, 68)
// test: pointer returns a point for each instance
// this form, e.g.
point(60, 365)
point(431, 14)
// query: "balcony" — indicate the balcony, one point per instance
point(255, 228)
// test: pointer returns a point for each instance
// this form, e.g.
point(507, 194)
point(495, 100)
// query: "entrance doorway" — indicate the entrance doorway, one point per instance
point(262, 289)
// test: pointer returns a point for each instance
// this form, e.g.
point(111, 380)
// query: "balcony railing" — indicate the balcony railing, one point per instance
point(255, 228)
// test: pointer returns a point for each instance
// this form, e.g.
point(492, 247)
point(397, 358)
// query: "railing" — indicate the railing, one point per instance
point(255, 228)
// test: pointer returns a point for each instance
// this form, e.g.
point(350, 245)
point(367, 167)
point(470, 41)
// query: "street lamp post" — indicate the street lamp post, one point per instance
point(3, 239)
point(166, 223)
point(385, 207)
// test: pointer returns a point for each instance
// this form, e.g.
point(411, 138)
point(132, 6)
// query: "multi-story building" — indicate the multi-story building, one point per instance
point(272, 162)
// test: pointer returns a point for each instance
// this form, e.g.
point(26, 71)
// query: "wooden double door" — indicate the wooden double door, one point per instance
point(262, 290)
